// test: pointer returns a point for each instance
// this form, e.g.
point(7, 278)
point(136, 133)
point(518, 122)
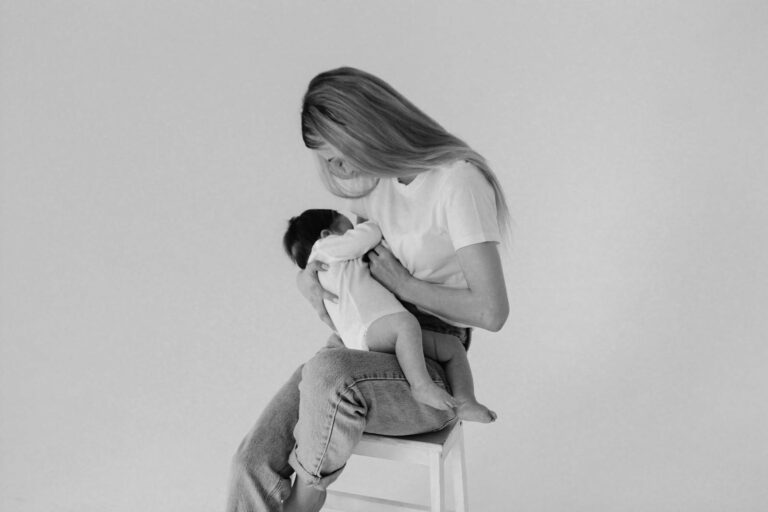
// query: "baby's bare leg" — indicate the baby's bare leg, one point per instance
point(400, 334)
point(449, 351)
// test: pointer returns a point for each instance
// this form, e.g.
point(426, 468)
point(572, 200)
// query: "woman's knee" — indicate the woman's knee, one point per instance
point(328, 371)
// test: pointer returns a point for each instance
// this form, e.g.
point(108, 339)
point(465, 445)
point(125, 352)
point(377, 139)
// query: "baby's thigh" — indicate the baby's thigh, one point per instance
point(383, 334)
point(440, 346)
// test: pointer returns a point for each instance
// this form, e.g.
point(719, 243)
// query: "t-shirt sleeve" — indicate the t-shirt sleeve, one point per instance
point(470, 207)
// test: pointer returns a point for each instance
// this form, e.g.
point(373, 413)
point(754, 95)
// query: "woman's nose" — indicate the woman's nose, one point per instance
point(339, 168)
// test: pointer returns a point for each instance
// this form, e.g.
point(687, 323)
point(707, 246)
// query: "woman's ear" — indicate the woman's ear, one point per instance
point(324, 233)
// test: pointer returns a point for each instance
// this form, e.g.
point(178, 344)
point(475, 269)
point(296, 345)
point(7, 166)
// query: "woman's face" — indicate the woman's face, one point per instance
point(337, 164)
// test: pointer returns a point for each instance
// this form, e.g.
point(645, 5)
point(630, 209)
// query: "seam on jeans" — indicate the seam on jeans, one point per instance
point(365, 379)
point(330, 433)
point(342, 393)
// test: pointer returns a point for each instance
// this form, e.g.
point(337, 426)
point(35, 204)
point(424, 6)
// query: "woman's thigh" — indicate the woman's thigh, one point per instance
point(375, 383)
point(345, 392)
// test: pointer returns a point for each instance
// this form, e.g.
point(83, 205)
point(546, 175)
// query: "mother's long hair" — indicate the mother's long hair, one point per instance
point(381, 134)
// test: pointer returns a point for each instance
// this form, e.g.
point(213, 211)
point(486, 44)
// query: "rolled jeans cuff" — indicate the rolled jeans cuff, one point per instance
point(318, 482)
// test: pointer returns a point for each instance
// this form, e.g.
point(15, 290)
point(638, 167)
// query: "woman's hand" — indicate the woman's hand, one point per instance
point(310, 287)
point(387, 269)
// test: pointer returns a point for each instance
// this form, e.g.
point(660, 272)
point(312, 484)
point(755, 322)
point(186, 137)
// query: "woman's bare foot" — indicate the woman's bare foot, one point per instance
point(472, 410)
point(434, 396)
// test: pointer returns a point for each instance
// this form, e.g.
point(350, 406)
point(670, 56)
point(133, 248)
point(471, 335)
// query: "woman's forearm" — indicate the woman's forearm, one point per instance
point(459, 305)
point(482, 304)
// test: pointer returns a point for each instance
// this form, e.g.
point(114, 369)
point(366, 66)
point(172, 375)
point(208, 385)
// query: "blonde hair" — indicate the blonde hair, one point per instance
point(381, 134)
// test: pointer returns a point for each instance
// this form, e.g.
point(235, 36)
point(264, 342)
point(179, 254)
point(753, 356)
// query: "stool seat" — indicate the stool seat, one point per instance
point(431, 450)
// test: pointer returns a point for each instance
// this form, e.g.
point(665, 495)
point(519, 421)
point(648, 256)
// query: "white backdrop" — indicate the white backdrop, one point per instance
point(151, 154)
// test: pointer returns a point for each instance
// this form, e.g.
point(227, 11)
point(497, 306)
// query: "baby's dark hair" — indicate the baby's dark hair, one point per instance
point(303, 231)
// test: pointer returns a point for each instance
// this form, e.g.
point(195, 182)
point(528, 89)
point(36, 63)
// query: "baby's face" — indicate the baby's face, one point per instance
point(341, 224)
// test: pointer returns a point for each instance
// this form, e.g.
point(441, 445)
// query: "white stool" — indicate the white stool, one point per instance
point(429, 450)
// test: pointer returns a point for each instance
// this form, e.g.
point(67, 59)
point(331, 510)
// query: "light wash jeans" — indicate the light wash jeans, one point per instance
point(315, 420)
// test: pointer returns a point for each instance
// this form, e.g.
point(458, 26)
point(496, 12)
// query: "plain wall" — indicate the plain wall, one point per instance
point(151, 155)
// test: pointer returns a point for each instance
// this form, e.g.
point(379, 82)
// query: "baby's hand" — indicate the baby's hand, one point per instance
point(310, 287)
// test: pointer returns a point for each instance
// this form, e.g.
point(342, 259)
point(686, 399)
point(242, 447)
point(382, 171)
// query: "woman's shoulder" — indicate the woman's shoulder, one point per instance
point(459, 174)
point(458, 168)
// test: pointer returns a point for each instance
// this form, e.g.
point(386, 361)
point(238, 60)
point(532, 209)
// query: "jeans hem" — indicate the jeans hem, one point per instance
point(318, 482)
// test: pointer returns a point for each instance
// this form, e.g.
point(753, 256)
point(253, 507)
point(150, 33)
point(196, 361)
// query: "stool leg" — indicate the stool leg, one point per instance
point(436, 483)
point(459, 470)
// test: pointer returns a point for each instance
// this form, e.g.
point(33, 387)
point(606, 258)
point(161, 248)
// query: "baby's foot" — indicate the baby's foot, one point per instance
point(434, 396)
point(471, 410)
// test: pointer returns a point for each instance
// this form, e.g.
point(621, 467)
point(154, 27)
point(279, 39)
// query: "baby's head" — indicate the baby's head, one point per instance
point(306, 229)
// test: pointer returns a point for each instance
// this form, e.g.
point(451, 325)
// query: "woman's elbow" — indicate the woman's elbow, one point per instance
point(495, 316)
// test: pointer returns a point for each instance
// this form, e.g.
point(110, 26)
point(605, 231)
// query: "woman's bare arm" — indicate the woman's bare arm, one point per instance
point(483, 304)
point(310, 287)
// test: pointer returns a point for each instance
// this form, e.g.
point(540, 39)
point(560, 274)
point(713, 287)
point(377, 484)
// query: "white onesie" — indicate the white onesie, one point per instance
point(362, 300)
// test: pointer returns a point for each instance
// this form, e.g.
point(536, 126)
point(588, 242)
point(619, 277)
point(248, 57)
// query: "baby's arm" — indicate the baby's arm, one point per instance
point(349, 246)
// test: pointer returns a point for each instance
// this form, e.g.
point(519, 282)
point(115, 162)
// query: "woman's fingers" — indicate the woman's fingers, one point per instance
point(387, 269)
point(383, 256)
point(378, 254)
point(311, 288)
point(381, 250)
point(319, 266)
point(319, 306)
point(323, 314)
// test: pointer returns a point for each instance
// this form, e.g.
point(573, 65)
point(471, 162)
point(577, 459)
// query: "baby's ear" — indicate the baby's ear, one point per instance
point(324, 233)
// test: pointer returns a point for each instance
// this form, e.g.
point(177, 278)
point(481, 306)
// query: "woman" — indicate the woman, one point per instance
point(441, 211)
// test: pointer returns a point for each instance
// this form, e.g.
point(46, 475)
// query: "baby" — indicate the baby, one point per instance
point(369, 317)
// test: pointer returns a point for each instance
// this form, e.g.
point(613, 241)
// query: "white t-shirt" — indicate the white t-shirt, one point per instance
point(362, 300)
point(427, 220)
